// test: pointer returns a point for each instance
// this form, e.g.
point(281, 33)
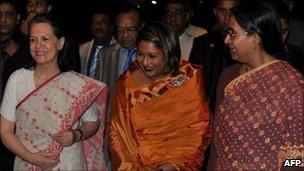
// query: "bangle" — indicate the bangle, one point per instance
point(77, 135)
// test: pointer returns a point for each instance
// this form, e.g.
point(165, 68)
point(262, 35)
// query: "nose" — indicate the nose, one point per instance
point(146, 61)
point(227, 39)
point(125, 33)
point(36, 44)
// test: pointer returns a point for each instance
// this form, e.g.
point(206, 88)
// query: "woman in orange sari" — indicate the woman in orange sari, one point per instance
point(259, 118)
point(54, 111)
point(160, 115)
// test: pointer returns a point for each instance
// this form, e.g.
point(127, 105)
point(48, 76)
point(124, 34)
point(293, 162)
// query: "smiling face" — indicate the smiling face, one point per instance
point(151, 60)
point(44, 45)
point(240, 43)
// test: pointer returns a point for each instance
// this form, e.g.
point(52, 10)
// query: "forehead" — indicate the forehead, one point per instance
point(100, 16)
point(7, 7)
point(174, 7)
point(130, 18)
point(41, 28)
point(234, 24)
point(226, 4)
point(37, 1)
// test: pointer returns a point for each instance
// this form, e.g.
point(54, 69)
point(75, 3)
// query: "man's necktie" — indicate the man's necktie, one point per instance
point(129, 60)
point(92, 62)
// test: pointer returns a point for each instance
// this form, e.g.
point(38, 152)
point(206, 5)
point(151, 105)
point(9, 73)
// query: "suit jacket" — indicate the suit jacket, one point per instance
point(109, 67)
point(85, 50)
point(210, 51)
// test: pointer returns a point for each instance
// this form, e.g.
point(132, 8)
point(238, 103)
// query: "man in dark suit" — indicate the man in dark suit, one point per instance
point(115, 59)
point(210, 51)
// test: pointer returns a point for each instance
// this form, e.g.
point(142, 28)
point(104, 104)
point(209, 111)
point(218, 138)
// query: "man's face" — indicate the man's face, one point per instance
point(222, 11)
point(176, 16)
point(127, 25)
point(37, 6)
point(8, 19)
point(101, 27)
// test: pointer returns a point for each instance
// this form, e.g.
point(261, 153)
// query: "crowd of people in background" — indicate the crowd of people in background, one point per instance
point(152, 93)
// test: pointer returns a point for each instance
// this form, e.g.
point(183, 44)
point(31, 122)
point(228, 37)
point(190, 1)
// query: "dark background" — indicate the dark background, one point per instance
point(75, 14)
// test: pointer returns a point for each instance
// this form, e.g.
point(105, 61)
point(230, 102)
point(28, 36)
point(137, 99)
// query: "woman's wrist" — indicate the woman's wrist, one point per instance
point(77, 135)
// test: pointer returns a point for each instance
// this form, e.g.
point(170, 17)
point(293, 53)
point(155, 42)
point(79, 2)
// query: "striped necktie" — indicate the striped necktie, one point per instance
point(92, 62)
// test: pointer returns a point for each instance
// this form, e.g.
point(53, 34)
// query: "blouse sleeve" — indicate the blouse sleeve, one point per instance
point(91, 114)
point(9, 101)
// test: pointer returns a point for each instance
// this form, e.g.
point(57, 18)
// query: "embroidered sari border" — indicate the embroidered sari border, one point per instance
point(248, 74)
point(38, 88)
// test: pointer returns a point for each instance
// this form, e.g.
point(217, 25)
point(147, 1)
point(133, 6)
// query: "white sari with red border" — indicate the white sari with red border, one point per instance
point(55, 106)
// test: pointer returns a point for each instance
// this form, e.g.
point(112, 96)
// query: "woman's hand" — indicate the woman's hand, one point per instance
point(64, 138)
point(44, 160)
point(166, 167)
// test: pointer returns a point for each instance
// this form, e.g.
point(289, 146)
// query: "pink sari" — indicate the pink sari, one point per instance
point(56, 106)
point(260, 122)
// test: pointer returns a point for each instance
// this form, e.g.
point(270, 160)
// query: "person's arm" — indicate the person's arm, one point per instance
point(40, 159)
point(84, 132)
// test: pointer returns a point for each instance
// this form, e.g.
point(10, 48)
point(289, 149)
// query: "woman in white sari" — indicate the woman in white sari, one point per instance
point(54, 110)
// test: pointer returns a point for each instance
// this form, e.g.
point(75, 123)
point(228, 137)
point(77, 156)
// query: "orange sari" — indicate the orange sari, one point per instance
point(163, 122)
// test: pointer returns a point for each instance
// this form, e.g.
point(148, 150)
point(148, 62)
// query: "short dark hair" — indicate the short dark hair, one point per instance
point(105, 10)
point(14, 3)
point(257, 17)
point(163, 37)
point(185, 3)
point(127, 8)
point(68, 57)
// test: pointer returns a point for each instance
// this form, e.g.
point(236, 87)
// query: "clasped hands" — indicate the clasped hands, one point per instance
point(47, 160)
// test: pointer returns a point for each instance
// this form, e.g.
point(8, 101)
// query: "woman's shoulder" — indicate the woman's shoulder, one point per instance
point(21, 73)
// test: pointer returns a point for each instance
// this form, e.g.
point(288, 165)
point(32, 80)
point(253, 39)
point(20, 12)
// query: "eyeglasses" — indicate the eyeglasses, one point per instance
point(121, 30)
point(8, 14)
point(233, 34)
point(223, 10)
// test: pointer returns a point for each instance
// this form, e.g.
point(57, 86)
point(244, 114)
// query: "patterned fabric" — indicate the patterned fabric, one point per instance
point(259, 123)
point(54, 107)
point(155, 123)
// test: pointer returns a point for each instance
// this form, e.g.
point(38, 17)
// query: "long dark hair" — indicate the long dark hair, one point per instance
point(68, 57)
point(164, 38)
point(257, 17)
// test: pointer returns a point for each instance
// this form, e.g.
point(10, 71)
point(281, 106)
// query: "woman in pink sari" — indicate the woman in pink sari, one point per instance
point(259, 118)
point(58, 115)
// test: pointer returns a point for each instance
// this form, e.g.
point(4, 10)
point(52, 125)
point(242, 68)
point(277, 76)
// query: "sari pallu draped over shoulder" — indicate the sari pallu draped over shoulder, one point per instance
point(163, 122)
point(260, 122)
point(55, 107)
